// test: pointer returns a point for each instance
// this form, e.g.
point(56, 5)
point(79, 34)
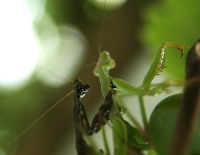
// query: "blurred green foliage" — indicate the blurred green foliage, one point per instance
point(176, 21)
point(168, 20)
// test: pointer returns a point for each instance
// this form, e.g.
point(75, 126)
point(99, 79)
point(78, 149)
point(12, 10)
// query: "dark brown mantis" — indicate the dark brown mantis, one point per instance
point(81, 123)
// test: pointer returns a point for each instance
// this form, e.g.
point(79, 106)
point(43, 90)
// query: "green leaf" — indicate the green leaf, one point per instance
point(135, 139)
point(162, 124)
point(120, 137)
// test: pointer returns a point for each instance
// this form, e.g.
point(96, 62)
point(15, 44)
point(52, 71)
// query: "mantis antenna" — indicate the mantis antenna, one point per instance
point(40, 117)
point(102, 26)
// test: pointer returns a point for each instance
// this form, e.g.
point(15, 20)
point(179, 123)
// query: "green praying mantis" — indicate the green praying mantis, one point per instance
point(136, 138)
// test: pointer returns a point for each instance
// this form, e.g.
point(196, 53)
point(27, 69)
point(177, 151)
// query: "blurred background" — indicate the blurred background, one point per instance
point(44, 44)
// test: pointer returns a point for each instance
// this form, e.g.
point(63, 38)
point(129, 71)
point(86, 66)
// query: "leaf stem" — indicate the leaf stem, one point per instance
point(105, 140)
point(143, 112)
